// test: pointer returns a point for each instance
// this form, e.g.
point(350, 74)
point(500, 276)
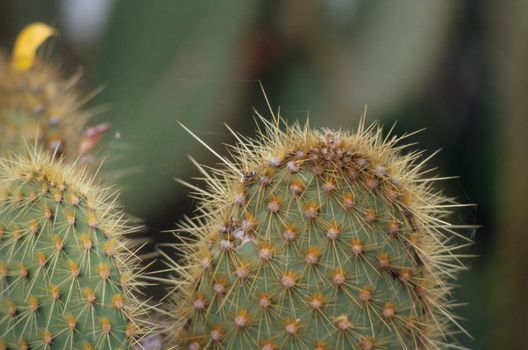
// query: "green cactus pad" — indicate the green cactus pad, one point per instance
point(38, 104)
point(67, 279)
point(316, 239)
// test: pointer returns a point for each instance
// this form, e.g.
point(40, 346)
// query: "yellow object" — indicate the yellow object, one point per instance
point(27, 43)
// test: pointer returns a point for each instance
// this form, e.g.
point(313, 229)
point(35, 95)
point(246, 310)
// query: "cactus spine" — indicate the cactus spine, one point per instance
point(36, 101)
point(67, 275)
point(316, 239)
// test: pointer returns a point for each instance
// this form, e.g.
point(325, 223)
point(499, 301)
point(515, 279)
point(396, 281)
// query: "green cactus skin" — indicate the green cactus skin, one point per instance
point(316, 239)
point(67, 278)
point(39, 102)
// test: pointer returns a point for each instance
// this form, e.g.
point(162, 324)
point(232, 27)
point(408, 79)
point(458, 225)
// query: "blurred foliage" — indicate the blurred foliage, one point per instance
point(457, 68)
point(510, 33)
point(163, 64)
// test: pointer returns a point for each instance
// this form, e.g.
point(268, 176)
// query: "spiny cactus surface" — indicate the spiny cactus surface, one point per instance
point(37, 103)
point(67, 278)
point(316, 239)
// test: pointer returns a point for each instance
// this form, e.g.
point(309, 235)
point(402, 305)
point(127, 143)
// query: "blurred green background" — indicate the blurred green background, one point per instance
point(457, 68)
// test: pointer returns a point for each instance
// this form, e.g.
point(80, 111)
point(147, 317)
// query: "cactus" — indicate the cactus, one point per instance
point(35, 101)
point(316, 239)
point(68, 276)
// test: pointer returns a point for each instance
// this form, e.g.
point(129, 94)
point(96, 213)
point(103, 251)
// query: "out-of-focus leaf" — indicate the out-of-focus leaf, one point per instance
point(510, 284)
point(163, 62)
point(350, 54)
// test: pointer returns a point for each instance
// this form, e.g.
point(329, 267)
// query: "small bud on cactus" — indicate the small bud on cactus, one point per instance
point(317, 239)
point(35, 101)
point(67, 278)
